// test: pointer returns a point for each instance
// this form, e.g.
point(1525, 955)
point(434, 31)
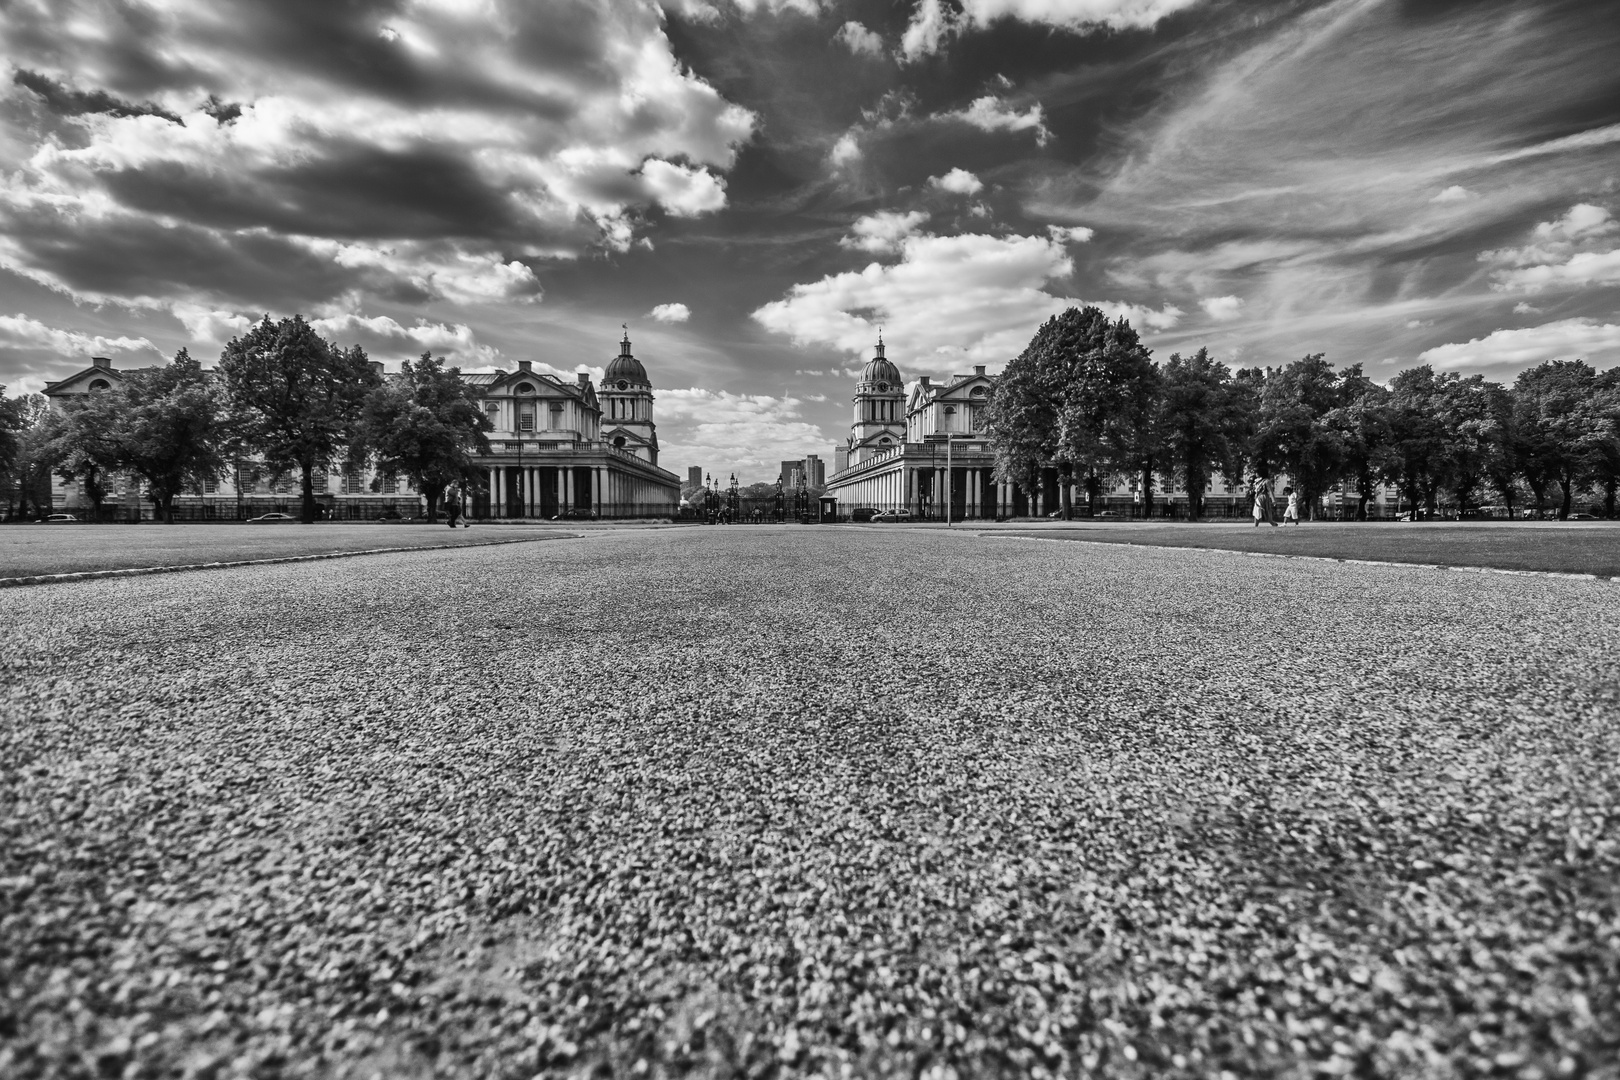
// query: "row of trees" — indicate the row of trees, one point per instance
point(1087, 397)
point(283, 398)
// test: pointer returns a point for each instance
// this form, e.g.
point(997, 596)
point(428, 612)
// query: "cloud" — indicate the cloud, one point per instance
point(926, 32)
point(1071, 234)
point(201, 158)
point(742, 431)
point(931, 22)
point(859, 40)
point(883, 231)
point(949, 300)
point(1222, 308)
point(845, 150)
point(385, 338)
point(990, 113)
point(959, 181)
point(1524, 307)
point(671, 313)
point(24, 333)
point(1454, 193)
point(1517, 349)
point(1561, 254)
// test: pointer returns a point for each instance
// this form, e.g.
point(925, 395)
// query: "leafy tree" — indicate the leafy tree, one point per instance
point(27, 466)
point(1248, 386)
point(1080, 397)
point(297, 399)
point(1556, 427)
point(1604, 438)
point(77, 441)
point(1471, 413)
point(1200, 412)
point(425, 424)
point(1361, 426)
point(1414, 458)
point(1290, 433)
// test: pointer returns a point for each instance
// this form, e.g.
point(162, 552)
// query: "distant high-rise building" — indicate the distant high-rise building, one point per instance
point(840, 459)
point(788, 469)
point(815, 471)
point(694, 476)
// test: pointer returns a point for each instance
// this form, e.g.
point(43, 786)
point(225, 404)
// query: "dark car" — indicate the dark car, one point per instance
point(862, 513)
point(575, 514)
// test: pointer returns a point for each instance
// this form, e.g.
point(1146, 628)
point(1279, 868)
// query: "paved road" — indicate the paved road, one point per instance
point(805, 800)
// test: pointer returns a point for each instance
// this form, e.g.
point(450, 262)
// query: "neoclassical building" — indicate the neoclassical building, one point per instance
point(908, 452)
point(557, 447)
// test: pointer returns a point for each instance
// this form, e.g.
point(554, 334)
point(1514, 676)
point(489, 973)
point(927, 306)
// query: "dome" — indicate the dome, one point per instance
point(880, 374)
point(625, 368)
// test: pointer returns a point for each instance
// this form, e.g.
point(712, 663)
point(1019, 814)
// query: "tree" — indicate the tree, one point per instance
point(1199, 413)
point(171, 429)
point(27, 468)
point(77, 441)
point(426, 424)
point(1471, 414)
point(1290, 431)
point(296, 398)
point(1556, 426)
point(1414, 457)
point(1361, 426)
point(1604, 438)
point(1021, 417)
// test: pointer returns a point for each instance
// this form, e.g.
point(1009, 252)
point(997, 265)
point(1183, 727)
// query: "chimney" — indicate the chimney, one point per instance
point(523, 365)
point(923, 381)
point(101, 362)
point(376, 365)
point(584, 378)
point(978, 369)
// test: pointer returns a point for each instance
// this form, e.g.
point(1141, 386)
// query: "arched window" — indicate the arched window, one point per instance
point(618, 441)
point(98, 385)
point(525, 388)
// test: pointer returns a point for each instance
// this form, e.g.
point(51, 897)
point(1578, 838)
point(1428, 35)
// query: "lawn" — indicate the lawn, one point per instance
point(780, 802)
point(1564, 547)
point(27, 550)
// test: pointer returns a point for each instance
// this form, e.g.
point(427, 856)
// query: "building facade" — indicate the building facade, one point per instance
point(556, 449)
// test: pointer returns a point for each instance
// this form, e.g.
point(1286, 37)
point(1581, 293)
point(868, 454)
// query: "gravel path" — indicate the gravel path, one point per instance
point(810, 801)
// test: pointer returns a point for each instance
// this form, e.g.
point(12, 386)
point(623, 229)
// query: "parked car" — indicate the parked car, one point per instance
point(57, 519)
point(1108, 515)
point(575, 515)
point(1581, 517)
point(270, 519)
point(390, 515)
point(892, 515)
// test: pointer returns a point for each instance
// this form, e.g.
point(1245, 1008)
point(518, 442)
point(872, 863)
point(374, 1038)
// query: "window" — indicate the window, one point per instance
point(978, 391)
point(210, 487)
point(525, 388)
point(526, 420)
point(98, 385)
point(318, 480)
point(619, 441)
point(390, 485)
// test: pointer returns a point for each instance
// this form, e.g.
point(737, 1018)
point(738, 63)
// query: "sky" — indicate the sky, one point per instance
point(756, 187)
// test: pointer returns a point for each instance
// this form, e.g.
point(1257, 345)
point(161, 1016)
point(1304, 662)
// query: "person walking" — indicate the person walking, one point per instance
point(1258, 505)
point(1292, 513)
point(451, 512)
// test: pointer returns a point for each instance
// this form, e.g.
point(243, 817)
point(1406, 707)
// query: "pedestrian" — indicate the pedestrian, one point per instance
point(451, 512)
point(1268, 505)
point(1258, 504)
point(1292, 513)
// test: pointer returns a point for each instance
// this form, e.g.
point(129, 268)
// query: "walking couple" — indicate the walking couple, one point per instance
point(1265, 507)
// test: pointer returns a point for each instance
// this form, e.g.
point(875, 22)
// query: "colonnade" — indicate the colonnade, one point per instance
point(543, 489)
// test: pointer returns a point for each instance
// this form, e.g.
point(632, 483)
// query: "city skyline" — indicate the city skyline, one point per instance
point(755, 187)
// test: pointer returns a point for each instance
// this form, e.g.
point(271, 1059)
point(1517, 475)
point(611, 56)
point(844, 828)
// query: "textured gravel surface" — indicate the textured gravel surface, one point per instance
point(810, 801)
point(30, 549)
point(1567, 547)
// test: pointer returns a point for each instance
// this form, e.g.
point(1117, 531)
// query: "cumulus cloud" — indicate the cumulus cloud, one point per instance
point(1454, 193)
point(747, 431)
point(385, 338)
point(859, 40)
point(949, 300)
point(157, 152)
point(883, 231)
point(1527, 346)
point(1566, 253)
point(671, 313)
point(931, 23)
point(25, 333)
point(845, 150)
point(990, 113)
point(1222, 308)
point(958, 181)
point(1070, 234)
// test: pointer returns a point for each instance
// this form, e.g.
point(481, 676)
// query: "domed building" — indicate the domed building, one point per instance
point(627, 406)
point(880, 408)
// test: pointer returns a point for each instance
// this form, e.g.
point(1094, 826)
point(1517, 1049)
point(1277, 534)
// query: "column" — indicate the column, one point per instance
point(493, 493)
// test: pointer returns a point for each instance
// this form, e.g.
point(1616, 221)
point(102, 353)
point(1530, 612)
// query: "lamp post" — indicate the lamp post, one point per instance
point(732, 505)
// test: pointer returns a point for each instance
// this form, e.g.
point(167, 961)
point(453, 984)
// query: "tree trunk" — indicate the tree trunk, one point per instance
point(1147, 484)
point(1608, 499)
point(1066, 492)
point(432, 497)
point(1567, 482)
point(306, 511)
